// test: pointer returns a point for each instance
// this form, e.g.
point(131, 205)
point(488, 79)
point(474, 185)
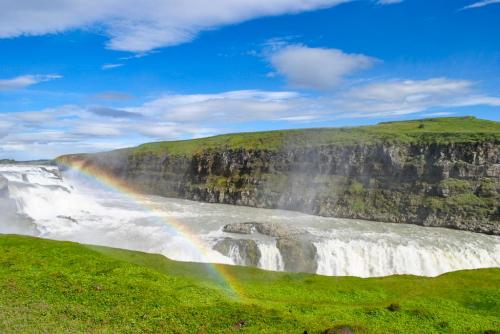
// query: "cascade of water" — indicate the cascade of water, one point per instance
point(270, 256)
point(36, 200)
point(368, 258)
point(235, 256)
point(59, 210)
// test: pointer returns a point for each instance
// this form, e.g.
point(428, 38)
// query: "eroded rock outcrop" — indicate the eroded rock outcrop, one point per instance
point(294, 245)
point(269, 229)
point(299, 254)
point(247, 251)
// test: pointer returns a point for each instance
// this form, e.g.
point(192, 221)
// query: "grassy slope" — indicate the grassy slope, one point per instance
point(441, 130)
point(50, 286)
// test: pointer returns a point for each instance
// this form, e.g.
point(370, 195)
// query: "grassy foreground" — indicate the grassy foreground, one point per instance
point(51, 287)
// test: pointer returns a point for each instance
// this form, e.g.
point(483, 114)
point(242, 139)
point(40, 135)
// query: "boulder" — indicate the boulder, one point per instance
point(249, 253)
point(240, 228)
point(299, 255)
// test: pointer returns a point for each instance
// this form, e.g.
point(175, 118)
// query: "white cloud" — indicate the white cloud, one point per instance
point(111, 66)
point(480, 4)
point(401, 97)
point(228, 106)
point(317, 68)
point(93, 128)
point(69, 129)
point(24, 81)
point(411, 90)
point(141, 27)
point(5, 128)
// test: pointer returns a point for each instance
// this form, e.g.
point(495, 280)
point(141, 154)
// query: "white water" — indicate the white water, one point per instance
point(271, 258)
point(235, 256)
point(366, 258)
point(74, 208)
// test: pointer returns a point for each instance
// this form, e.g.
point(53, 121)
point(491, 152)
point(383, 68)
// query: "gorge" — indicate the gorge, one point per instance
point(359, 184)
point(42, 201)
point(435, 172)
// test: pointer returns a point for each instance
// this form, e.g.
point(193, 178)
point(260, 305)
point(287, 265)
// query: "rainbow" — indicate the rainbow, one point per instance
point(219, 272)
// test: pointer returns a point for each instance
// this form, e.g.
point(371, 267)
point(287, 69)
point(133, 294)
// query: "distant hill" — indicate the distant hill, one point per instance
point(28, 162)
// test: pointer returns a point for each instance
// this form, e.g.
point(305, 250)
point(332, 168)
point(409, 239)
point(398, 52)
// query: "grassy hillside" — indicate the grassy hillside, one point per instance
point(450, 129)
point(51, 287)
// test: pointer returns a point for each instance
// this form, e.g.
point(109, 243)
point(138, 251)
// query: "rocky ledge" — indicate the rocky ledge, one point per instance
point(269, 229)
point(295, 246)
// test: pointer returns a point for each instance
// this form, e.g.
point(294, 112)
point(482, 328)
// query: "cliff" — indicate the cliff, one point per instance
point(434, 172)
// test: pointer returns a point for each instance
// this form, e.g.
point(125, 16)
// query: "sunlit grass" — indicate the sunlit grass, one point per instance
point(49, 287)
point(434, 130)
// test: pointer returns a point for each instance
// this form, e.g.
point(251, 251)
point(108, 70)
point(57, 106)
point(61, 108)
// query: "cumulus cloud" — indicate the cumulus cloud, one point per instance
point(24, 81)
point(144, 27)
point(227, 106)
point(401, 97)
point(317, 68)
point(412, 90)
point(480, 4)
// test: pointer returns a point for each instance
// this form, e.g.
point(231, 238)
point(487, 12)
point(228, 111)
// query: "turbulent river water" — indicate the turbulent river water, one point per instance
point(44, 202)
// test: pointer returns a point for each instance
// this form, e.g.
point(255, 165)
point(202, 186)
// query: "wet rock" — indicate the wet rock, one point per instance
point(247, 250)
point(296, 249)
point(299, 255)
point(241, 228)
point(268, 229)
point(56, 172)
point(71, 219)
point(277, 230)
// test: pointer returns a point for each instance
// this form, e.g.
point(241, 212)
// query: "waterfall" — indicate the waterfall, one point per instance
point(368, 258)
point(60, 208)
point(270, 256)
point(235, 256)
point(39, 201)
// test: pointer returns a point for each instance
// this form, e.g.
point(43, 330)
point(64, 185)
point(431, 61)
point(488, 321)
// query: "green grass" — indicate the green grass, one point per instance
point(432, 130)
point(52, 287)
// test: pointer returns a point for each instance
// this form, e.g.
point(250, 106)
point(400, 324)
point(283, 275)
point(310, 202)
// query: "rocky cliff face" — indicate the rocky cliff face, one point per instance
point(448, 185)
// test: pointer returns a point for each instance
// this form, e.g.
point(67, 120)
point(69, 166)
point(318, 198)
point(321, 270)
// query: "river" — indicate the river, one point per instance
point(45, 202)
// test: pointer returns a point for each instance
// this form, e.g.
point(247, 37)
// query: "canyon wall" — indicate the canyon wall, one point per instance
point(455, 185)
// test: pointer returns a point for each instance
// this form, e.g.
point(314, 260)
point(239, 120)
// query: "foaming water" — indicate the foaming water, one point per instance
point(40, 201)
point(271, 258)
point(68, 208)
point(367, 258)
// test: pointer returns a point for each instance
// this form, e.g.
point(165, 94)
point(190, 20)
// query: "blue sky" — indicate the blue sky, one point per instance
point(86, 76)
